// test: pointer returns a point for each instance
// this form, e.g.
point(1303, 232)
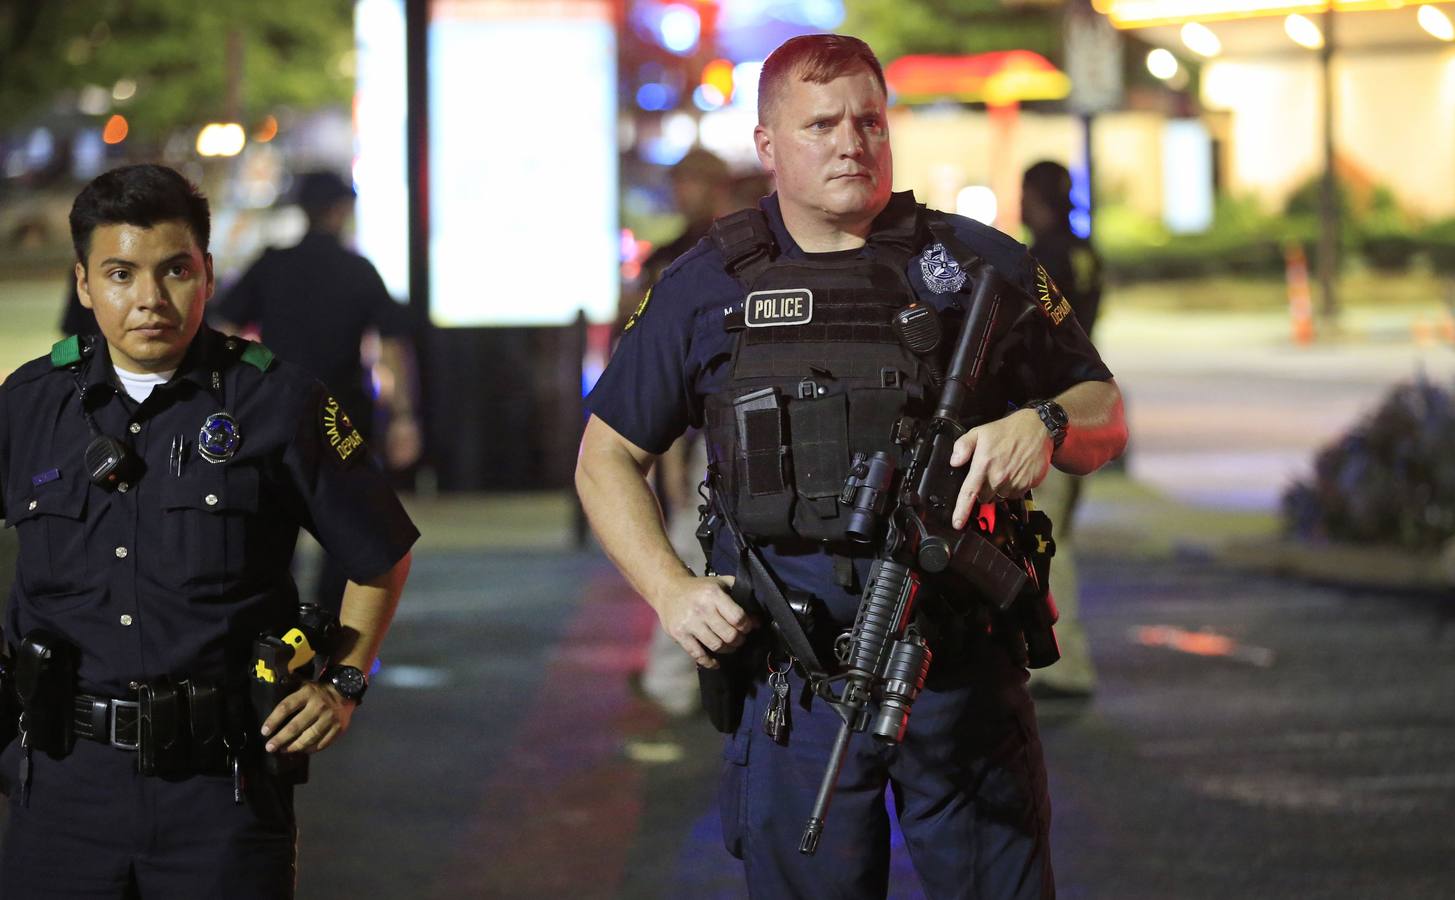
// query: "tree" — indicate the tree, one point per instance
point(177, 52)
point(896, 28)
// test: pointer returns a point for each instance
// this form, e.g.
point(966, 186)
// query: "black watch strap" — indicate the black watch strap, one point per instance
point(1054, 417)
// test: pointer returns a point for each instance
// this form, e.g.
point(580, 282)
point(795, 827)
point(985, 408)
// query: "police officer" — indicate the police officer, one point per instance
point(968, 780)
point(312, 304)
point(157, 476)
point(1074, 265)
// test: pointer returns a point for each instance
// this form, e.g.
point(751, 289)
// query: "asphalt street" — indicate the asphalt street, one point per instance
point(1251, 738)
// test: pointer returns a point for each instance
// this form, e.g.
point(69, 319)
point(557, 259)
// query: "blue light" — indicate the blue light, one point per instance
point(680, 28)
point(1080, 201)
point(825, 14)
point(654, 97)
point(707, 98)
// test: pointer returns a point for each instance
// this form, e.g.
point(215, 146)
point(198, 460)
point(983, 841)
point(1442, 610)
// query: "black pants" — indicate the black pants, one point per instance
point(94, 828)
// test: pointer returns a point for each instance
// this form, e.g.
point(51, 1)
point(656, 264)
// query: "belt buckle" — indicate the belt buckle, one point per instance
point(114, 740)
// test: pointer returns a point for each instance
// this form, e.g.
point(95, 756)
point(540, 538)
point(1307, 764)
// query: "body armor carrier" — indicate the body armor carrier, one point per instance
point(818, 376)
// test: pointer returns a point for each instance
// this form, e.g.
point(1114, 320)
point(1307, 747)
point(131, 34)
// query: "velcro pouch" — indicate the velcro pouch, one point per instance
point(45, 681)
point(162, 742)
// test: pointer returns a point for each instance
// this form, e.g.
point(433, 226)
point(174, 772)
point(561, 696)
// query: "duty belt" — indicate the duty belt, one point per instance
point(108, 720)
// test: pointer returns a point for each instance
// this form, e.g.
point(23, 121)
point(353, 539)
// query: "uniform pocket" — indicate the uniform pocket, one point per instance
point(732, 796)
point(206, 519)
point(50, 522)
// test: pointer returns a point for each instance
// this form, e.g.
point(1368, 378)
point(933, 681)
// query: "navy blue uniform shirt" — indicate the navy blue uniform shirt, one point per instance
point(312, 304)
point(675, 351)
point(178, 573)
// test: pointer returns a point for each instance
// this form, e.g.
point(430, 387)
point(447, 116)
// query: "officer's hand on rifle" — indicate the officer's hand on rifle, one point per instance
point(1007, 458)
point(308, 720)
point(699, 615)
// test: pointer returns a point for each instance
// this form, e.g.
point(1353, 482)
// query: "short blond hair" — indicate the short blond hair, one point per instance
point(815, 58)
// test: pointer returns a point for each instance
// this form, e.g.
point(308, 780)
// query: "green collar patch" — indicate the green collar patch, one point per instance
point(257, 356)
point(66, 351)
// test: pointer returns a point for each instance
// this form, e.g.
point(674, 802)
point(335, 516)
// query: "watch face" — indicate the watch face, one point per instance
point(349, 681)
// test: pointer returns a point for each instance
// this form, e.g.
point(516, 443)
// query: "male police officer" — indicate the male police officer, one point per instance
point(1073, 264)
point(312, 304)
point(968, 778)
point(157, 476)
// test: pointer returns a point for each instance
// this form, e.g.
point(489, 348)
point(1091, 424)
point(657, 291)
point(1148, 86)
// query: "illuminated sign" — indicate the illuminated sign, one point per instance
point(1146, 13)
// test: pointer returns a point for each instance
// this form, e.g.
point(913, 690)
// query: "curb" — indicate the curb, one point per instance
point(1353, 565)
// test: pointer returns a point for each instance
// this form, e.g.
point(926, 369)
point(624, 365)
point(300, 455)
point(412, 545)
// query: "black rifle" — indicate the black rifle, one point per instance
point(885, 657)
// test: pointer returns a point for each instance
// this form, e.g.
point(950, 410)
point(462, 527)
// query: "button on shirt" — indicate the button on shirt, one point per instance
point(178, 574)
point(677, 352)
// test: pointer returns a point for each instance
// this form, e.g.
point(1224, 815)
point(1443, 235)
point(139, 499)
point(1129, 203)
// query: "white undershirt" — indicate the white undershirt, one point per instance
point(139, 385)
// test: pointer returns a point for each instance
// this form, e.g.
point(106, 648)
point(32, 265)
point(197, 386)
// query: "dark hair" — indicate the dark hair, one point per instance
point(318, 192)
point(815, 58)
point(1051, 182)
point(141, 195)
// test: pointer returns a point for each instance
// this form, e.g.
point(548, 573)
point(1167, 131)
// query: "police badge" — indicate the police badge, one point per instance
point(943, 274)
point(219, 438)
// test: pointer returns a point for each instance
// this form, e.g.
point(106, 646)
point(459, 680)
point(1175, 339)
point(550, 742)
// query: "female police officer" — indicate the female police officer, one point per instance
point(157, 477)
point(968, 779)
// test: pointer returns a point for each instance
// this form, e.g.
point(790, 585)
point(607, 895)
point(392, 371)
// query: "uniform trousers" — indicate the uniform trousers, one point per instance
point(95, 828)
point(968, 785)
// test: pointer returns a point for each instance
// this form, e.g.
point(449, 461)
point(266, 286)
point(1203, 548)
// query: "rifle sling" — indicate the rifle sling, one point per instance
point(765, 588)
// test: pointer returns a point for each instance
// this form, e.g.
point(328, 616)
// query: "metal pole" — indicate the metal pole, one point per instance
point(1328, 200)
point(416, 127)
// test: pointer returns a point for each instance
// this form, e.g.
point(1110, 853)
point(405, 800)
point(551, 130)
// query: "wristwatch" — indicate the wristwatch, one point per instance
point(348, 681)
point(1053, 417)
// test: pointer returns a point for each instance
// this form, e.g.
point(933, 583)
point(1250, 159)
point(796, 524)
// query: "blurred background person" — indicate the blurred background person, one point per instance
point(702, 190)
point(315, 304)
point(1074, 266)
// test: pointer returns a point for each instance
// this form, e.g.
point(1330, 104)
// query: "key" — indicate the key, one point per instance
point(25, 770)
point(237, 779)
point(776, 721)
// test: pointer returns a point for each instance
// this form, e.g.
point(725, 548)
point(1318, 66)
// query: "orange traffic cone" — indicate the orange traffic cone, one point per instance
point(1300, 301)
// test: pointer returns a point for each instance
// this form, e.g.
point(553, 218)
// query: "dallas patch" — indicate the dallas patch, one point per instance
point(338, 431)
point(790, 306)
point(1057, 307)
point(637, 313)
point(943, 274)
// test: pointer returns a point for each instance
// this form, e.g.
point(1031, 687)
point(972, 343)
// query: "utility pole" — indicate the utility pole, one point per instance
point(1328, 198)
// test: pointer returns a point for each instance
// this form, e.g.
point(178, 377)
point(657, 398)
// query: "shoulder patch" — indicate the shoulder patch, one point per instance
point(345, 443)
point(257, 356)
point(66, 351)
point(1053, 303)
point(637, 313)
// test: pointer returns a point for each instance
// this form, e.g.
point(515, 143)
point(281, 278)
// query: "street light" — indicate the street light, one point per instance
point(1302, 31)
point(1434, 20)
point(1200, 40)
point(1162, 64)
point(221, 139)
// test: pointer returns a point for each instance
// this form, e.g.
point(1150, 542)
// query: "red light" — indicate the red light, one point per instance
point(115, 130)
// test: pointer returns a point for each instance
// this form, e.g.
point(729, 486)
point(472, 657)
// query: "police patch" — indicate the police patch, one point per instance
point(339, 432)
point(791, 306)
point(943, 274)
point(1057, 307)
point(637, 313)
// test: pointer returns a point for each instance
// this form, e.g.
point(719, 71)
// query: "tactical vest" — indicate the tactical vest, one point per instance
point(817, 376)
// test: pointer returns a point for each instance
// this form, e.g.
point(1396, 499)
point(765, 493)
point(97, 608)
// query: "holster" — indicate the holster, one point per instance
point(9, 700)
point(724, 690)
point(45, 683)
point(270, 681)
